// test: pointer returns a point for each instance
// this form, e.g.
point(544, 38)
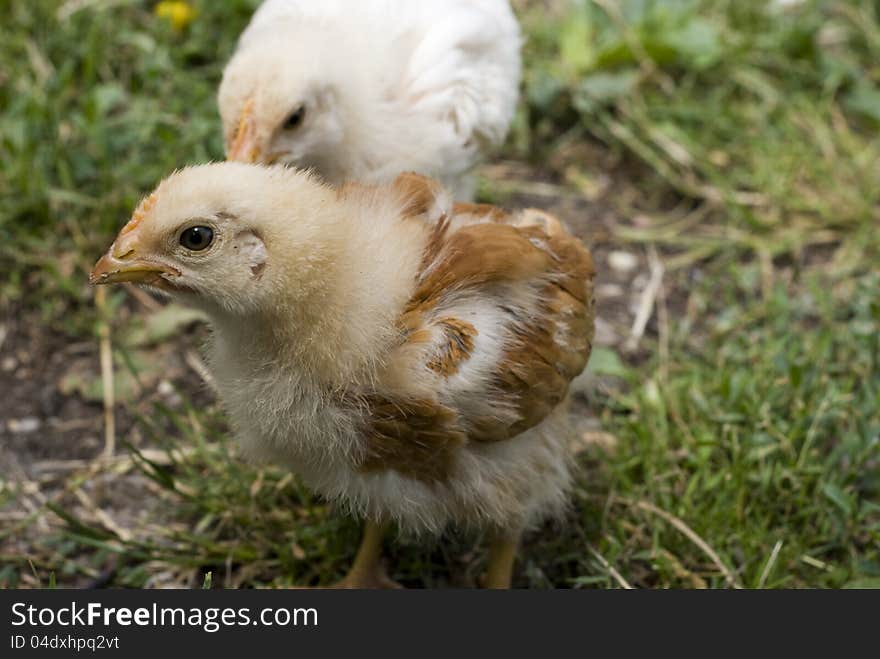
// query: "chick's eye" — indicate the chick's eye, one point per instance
point(295, 118)
point(197, 238)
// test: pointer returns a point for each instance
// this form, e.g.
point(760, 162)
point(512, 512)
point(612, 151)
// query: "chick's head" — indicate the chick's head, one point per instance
point(279, 104)
point(206, 235)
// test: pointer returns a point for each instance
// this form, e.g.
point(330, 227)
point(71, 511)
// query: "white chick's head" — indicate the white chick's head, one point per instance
point(224, 237)
point(280, 104)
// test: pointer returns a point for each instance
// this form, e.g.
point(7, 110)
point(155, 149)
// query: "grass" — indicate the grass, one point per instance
point(746, 428)
point(766, 434)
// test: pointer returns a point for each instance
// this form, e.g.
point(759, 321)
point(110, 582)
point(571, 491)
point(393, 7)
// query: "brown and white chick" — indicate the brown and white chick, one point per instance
point(408, 357)
point(366, 89)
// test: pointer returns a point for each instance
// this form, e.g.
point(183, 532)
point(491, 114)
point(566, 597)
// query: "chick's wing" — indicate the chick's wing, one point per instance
point(501, 319)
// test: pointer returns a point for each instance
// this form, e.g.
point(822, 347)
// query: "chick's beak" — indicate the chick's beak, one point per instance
point(245, 147)
point(122, 263)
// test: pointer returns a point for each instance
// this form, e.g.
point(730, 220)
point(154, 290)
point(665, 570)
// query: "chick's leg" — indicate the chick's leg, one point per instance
point(367, 570)
point(502, 554)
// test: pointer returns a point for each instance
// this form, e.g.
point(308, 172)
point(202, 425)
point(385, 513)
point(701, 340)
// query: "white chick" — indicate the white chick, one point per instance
point(367, 89)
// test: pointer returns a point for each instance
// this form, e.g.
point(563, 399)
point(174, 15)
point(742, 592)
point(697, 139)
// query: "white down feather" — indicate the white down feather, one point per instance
point(427, 86)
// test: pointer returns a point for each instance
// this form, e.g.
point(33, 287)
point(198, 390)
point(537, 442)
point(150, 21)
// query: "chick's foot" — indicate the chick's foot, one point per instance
point(375, 578)
point(367, 570)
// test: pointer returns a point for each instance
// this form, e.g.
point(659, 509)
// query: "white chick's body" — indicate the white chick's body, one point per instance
point(408, 357)
point(383, 87)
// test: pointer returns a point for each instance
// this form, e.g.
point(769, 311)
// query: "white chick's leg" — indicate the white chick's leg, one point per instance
point(502, 554)
point(367, 570)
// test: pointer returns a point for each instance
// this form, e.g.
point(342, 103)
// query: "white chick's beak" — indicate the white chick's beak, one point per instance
point(244, 147)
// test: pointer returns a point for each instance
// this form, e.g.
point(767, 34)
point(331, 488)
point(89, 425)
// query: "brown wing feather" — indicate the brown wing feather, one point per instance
point(553, 345)
point(475, 249)
point(419, 194)
point(416, 438)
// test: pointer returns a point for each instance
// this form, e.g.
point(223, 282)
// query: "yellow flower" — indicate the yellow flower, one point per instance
point(178, 13)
